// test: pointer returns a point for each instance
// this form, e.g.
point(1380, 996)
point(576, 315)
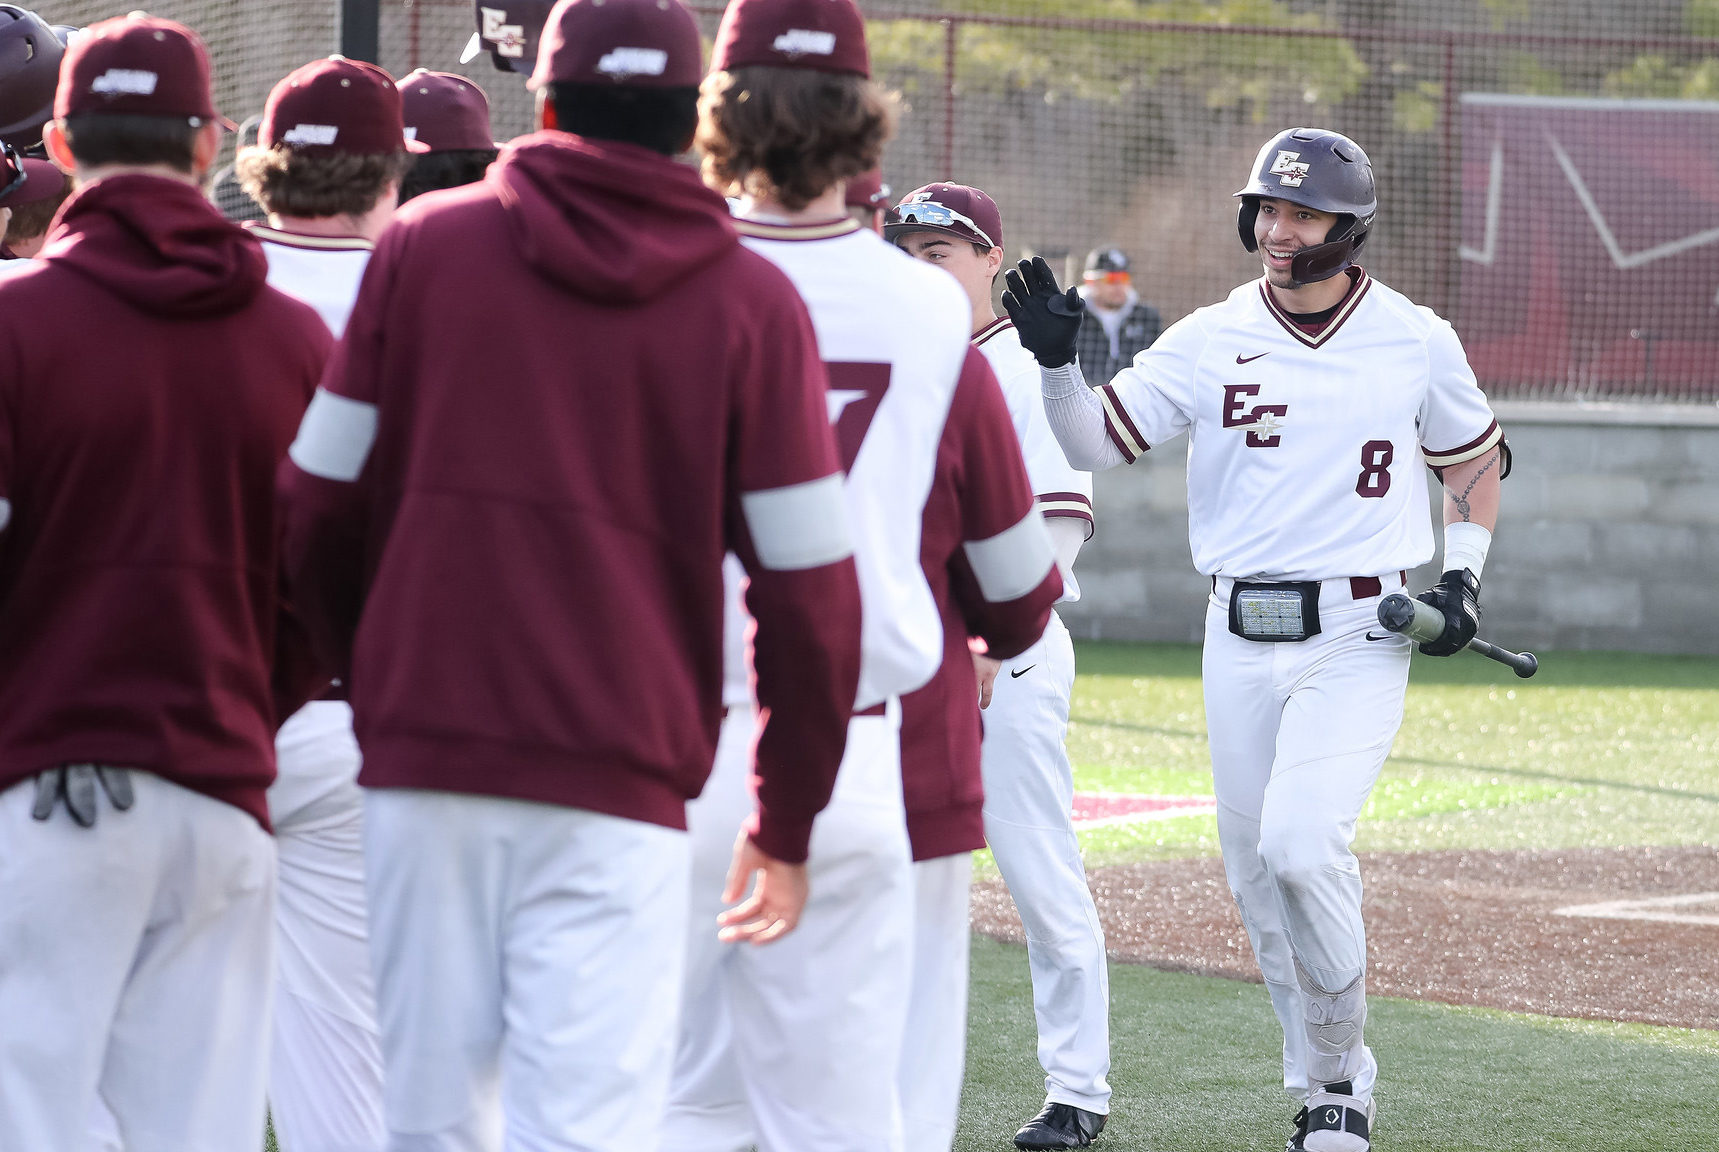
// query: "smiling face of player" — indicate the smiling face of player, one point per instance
point(1282, 229)
point(972, 266)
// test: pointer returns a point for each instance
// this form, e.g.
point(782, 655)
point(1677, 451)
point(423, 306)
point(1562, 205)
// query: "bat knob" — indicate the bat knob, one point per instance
point(1527, 665)
point(1396, 612)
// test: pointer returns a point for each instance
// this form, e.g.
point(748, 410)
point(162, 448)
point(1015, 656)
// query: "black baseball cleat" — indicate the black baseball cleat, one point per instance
point(1333, 1120)
point(1061, 1126)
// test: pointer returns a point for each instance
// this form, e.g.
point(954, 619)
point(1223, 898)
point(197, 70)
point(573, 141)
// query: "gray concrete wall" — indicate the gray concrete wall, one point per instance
point(1608, 539)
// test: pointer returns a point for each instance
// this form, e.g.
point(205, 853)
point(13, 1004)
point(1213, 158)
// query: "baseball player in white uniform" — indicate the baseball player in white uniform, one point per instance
point(327, 169)
point(1029, 783)
point(1312, 399)
point(794, 1047)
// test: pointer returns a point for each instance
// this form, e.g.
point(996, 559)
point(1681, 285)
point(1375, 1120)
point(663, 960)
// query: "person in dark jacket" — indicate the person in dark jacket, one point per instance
point(508, 508)
point(150, 382)
point(1116, 326)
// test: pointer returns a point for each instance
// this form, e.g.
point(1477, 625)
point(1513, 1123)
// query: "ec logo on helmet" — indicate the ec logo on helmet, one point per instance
point(1286, 166)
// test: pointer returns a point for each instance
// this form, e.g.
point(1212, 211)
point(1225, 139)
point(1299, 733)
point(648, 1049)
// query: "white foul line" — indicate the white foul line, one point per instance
point(1657, 908)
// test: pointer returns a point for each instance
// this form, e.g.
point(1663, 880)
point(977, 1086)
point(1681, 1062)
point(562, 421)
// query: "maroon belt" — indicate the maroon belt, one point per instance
point(1367, 587)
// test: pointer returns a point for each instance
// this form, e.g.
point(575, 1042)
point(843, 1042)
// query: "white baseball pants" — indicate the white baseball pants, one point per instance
point(1298, 734)
point(795, 1045)
point(1029, 823)
point(528, 970)
point(136, 959)
point(934, 1053)
point(325, 1073)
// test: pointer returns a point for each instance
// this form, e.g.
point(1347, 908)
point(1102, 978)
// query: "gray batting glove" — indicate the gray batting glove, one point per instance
point(76, 783)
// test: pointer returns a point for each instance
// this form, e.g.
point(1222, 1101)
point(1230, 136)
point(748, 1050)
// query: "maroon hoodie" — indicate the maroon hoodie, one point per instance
point(149, 384)
point(509, 510)
point(980, 489)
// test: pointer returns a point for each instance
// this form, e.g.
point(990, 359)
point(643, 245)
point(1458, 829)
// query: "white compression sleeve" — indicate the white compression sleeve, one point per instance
point(1067, 535)
point(1465, 546)
point(1077, 419)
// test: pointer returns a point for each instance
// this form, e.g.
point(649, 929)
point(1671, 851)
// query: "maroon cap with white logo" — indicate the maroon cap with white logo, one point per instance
point(640, 43)
point(336, 106)
point(139, 65)
point(823, 35)
point(953, 209)
point(445, 112)
point(867, 190)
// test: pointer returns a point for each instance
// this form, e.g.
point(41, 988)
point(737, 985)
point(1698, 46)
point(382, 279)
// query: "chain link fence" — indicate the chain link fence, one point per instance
point(1548, 172)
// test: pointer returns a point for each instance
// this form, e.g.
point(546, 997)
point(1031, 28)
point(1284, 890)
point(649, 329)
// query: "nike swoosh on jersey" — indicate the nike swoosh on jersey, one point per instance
point(1016, 675)
point(1386, 636)
point(1240, 359)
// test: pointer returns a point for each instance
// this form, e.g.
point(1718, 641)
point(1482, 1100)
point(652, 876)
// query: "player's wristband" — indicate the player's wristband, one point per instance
point(1465, 546)
point(1057, 383)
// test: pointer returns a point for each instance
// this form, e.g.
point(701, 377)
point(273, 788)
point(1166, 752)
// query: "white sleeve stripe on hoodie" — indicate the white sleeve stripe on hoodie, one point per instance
point(800, 525)
point(5, 513)
point(1014, 561)
point(335, 437)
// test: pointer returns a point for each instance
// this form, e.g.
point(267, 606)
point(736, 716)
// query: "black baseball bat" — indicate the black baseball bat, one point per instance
point(1423, 624)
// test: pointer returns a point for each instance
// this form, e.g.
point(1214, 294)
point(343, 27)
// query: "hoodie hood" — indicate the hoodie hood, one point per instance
point(157, 244)
point(611, 222)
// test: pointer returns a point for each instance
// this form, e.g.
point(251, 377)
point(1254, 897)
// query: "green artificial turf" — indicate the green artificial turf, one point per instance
point(1598, 749)
point(1195, 1068)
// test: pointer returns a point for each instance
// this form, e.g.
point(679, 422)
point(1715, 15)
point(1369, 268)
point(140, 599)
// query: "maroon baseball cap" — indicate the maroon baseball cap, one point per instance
point(641, 43)
point(137, 64)
point(867, 190)
point(42, 181)
point(823, 35)
point(444, 112)
point(953, 209)
point(333, 107)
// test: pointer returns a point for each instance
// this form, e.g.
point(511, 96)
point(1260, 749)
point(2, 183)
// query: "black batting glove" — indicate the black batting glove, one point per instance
point(76, 784)
point(1457, 595)
point(1046, 318)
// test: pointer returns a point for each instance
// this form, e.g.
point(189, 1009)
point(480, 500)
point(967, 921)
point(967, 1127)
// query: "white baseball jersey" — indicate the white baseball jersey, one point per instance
point(323, 271)
point(1307, 452)
point(1062, 490)
point(893, 334)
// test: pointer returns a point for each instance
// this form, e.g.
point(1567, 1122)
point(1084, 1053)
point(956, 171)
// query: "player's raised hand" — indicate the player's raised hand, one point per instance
point(1045, 317)
point(778, 896)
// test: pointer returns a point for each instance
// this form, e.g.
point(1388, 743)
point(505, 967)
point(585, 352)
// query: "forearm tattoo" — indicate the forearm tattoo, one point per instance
point(1461, 502)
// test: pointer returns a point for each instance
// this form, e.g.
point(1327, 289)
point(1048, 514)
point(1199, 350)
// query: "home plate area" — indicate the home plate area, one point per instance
point(1098, 809)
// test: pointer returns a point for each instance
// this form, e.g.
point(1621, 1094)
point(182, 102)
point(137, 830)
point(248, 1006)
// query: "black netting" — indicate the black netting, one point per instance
point(1549, 172)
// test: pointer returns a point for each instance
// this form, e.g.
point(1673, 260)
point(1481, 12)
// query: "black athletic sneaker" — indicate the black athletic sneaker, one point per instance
point(1061, 1126)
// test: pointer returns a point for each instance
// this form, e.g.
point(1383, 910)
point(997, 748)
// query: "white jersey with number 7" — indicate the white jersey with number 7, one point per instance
point(1307, 453)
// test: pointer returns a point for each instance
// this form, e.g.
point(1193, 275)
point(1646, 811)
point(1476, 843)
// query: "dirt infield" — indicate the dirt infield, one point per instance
point(1457, 927)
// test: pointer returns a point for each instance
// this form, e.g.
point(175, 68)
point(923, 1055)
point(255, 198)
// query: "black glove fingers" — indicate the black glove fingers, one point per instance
point(1014, 284)
point(116, 782)
point(81, 793)
point(1044, 279)
point(49, 785)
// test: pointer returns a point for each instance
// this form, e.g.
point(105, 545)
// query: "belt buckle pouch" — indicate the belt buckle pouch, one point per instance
point(1272, 613)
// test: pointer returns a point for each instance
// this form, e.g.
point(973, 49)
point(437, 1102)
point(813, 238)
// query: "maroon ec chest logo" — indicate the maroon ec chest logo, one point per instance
point(1261, 420)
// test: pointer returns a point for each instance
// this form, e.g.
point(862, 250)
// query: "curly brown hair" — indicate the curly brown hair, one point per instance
point(790, 133)
point(289, 182)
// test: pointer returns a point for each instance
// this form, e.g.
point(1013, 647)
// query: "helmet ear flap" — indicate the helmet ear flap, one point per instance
point(1246, 214)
